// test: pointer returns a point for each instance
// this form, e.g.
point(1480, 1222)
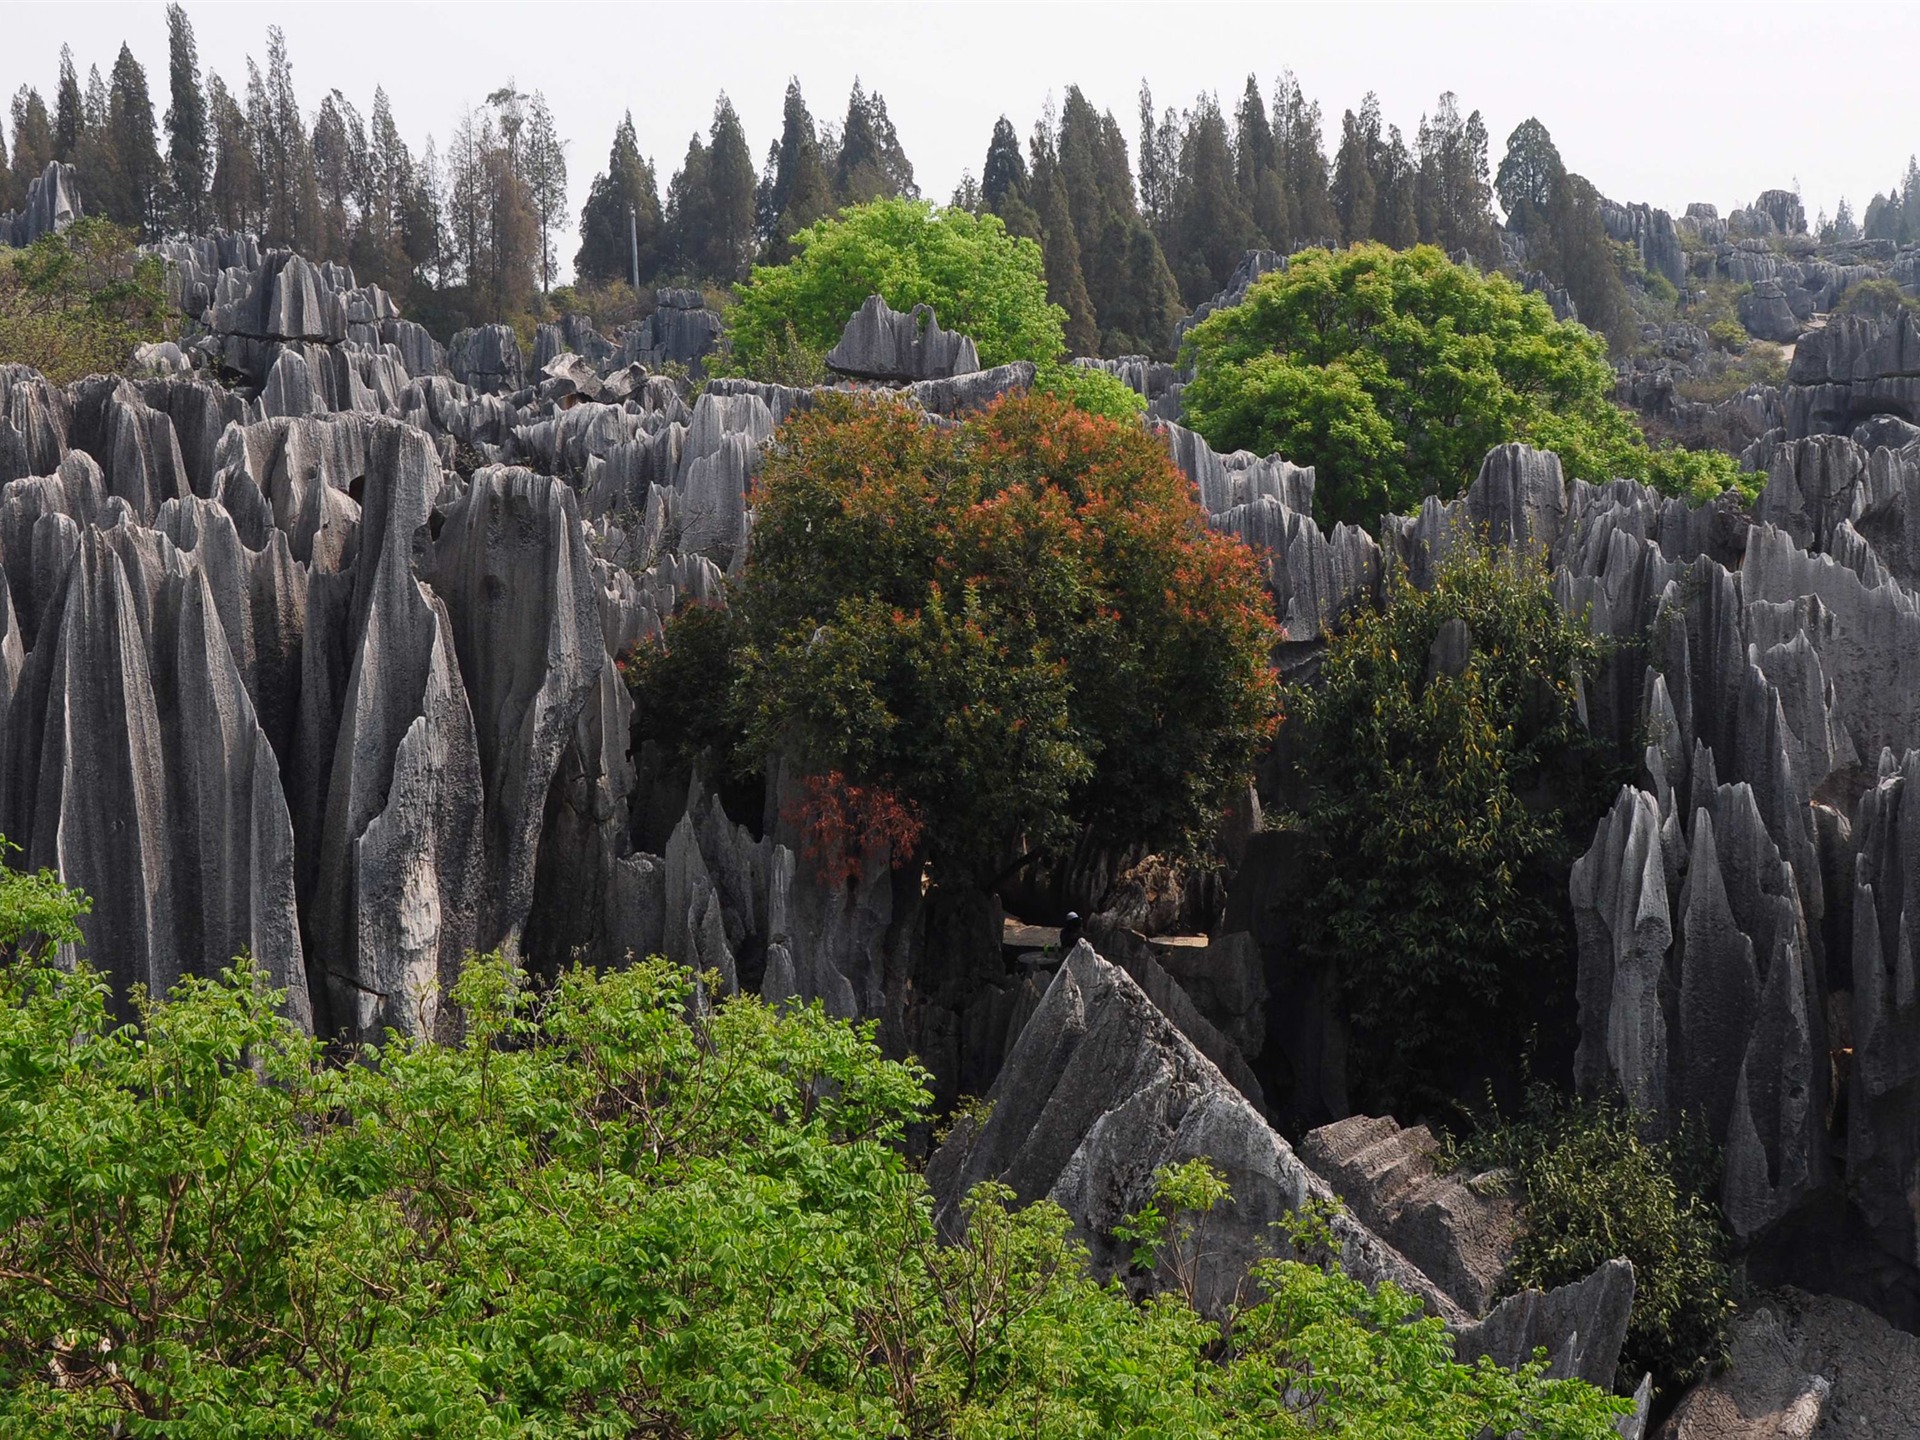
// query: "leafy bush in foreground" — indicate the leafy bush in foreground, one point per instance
point(605, 1211)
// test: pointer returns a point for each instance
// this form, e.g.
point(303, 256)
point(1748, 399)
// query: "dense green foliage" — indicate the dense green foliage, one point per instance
point(1438, 820)
point(605, 1211)
point(995, 633)
point(76, 303)
point(1094, 391)
point(1877, 299)
point(1395, 372)
point(977, 278)
point(1595, 1184)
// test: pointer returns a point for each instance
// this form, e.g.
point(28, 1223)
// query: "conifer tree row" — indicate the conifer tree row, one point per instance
point(474, 229)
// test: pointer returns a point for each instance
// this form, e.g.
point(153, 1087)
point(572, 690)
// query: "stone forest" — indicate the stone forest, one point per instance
point(1249, 782)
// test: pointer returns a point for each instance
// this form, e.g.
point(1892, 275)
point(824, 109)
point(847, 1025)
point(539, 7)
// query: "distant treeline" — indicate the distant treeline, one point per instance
point(472, 231)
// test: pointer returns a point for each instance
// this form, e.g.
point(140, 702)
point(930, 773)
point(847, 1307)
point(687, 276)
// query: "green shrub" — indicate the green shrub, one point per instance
point(1877, 299)
point(682, 686)
point(1439, 820)
point(1094, 391)
point(1595, 1184)
point(76, 303)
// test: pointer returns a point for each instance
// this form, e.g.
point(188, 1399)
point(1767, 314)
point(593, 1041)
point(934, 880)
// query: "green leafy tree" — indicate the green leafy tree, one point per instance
point(1395, 373)
point(1439, 820)
point(606, 1209)
point(977, 278)
point(76, 303)
point(1011, 629)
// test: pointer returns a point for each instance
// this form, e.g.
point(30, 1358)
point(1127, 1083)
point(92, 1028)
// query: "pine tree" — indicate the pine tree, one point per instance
point(1210, 229)
point(545, 164)
point(1580, 257)
point(1353, 193)
point(1159, 165)
point(188, 159)
point(234, 193)
point(729, 198)
point(1066, 285)
point(1456, 199)
point(32, 140)
point(1005, 172)
point(1302, 157)
point(380, 251)
point(606, 227)
point(686, 225)
point(339, 157)
point(140, 177)
point(98, 165)
point(1257, 174)
point(1529, 172)
point(1396, 215)
point(290, 193)
point(1005, 188)
point(7, 201)
point(1844, 226)
point(795, 189)
point(67, 119)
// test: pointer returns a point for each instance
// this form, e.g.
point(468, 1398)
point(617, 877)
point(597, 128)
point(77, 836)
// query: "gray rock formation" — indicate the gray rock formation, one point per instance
point(510, 564)
point(1101, 1090)
point(880, 343)
point(1461, 1238)
point(1852, 369)
point(488, 359)
point(1803, 1366)
point(1098, 1092)
point(681, 331)
point(398, 890)
point(52, 204)
point(1651, 232)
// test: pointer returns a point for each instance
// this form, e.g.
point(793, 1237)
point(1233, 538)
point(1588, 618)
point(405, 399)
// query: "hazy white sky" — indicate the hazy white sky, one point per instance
point(1665, 103)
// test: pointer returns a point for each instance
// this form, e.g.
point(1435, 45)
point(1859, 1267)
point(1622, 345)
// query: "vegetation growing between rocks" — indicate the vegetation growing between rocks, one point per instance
point(979, 279)
point(604, 1210)
point(1394, 372)
point(77, 303)
point(1439, 816)
point(1595, 1183)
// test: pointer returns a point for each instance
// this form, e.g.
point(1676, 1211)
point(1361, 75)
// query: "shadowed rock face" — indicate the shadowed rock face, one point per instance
point(1801, 1366)
point(880, 343)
